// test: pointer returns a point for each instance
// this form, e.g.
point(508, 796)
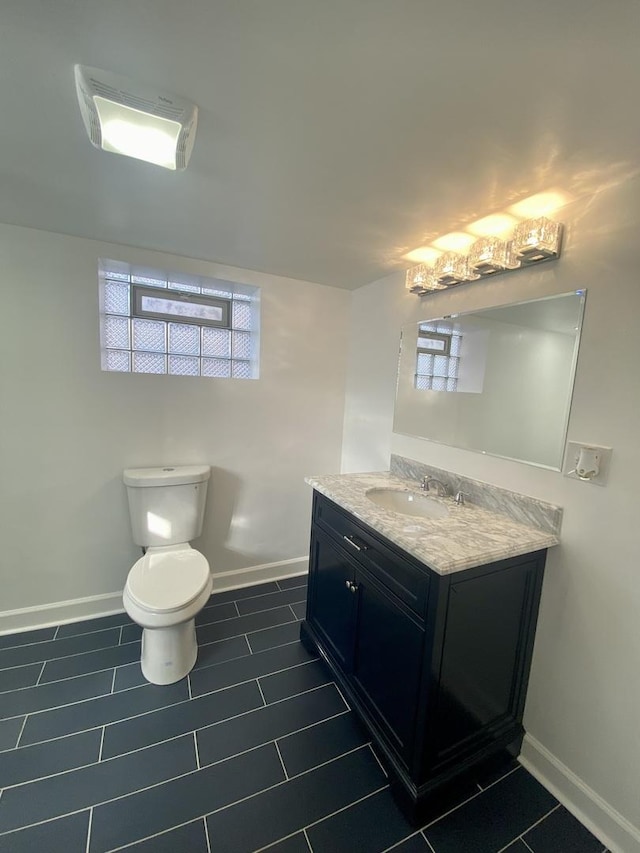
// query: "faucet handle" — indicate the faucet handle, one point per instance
point(460, 498)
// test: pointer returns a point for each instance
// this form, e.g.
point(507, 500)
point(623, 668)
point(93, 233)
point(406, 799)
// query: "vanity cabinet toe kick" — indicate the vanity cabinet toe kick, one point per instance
point(435, 665)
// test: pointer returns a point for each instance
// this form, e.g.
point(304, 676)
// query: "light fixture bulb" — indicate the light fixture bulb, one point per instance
point(144, 142)
point(137, 134)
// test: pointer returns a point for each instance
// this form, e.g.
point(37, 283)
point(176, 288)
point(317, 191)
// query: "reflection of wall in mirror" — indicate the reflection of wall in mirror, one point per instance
point(514, 384)
point(473, 360)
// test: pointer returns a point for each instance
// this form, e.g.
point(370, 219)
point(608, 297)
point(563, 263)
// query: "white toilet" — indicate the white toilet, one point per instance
point(170, 584)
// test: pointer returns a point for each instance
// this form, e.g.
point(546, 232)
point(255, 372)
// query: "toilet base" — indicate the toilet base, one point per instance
point(169, 654)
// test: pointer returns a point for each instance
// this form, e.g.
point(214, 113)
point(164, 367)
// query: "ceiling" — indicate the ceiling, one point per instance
point(334, 135)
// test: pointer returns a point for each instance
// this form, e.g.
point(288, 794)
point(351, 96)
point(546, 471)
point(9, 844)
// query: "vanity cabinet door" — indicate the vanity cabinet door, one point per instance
point(331, 598)
point(387, 661)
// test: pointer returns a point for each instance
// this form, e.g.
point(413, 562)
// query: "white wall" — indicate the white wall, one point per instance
point(584, 696)
point(67, 429)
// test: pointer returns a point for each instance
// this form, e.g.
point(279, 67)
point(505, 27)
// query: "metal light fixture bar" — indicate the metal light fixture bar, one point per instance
point(533, 241)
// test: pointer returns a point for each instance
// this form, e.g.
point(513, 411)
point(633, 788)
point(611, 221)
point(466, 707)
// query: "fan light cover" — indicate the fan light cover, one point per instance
point(137, 121)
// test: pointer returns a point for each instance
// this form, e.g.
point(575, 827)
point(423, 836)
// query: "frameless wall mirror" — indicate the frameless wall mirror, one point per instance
point(498, 381)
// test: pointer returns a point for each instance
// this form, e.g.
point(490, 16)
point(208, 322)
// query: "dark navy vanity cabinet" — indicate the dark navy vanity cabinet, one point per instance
point(436, 666)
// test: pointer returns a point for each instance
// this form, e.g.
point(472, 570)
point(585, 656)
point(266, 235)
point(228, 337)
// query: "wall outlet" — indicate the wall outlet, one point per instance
point(572, 457)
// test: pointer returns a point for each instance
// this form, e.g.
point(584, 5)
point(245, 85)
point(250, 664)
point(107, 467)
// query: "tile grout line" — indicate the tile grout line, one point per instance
point(131, 642)
point(344, 808)
point(264, 701)
point(378, 762)
point(189, 685)
point(195, 746)
point(24, 723)
point(429, 844)
point(306, 838)
point(39, 677)
point(191, 820)
point(133, 663)
point(246, 636)
point(57, 681)
point(113, 680)
point(162, 708)
point(73, 655)
point(529, 828)
point(337, 686)
point(99, 751)
point(284, 769)
point(468, 800)
point(235, 604)
point(137, 640)
point(206, 834)
point(89, 829)
point(176, 737)
point(397, 844)
point(56, 632)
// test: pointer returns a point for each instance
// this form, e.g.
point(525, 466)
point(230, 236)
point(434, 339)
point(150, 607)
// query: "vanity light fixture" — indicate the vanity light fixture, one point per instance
point(138, 121)
point(421, 280)
point(452, 268)
point(531, 242)
point(537, 240)
point(490, 255)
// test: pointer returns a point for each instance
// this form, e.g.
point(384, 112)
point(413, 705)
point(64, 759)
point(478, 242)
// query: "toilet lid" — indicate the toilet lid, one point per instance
point(168, 580)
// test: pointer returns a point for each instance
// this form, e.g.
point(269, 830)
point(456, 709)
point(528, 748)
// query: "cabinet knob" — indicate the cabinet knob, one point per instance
point(348, 584)
point(354, 587)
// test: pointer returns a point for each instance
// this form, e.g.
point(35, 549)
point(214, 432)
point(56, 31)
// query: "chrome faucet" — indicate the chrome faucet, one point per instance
point(429, 481)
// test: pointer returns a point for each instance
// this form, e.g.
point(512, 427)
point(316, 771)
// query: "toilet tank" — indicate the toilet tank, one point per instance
point(166, 505)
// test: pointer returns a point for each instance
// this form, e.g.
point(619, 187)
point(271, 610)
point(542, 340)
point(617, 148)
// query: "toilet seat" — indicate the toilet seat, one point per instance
point(168, 579)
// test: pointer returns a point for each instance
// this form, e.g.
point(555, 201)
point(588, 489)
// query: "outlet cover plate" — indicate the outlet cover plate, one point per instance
point(571, 457)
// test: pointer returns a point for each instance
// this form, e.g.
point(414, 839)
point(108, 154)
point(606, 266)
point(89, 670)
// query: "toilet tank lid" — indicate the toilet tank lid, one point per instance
point(171, 475)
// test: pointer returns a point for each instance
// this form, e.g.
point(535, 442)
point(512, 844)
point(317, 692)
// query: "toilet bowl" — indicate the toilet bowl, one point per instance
point(169, 585)
point(165, 590)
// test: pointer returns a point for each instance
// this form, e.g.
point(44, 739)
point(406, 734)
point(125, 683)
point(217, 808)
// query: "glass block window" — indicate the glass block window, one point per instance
point(438, 356)
point(154, 322)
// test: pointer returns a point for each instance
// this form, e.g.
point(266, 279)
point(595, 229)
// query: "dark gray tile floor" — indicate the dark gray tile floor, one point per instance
point(255, 750)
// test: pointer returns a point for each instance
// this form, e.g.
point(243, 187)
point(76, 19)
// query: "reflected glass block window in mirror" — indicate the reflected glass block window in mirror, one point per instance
point(152, 321)
point(437, 357)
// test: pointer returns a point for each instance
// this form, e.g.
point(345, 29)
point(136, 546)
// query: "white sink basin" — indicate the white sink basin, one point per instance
point(407, 503)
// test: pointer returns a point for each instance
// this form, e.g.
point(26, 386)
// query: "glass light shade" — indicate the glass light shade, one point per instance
point(421, 280)
point(452, 268)
point(137, 134)
point(536, 240)
point(490, 255)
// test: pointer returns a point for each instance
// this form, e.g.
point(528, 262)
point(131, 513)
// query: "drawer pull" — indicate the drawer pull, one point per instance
point(353, 544)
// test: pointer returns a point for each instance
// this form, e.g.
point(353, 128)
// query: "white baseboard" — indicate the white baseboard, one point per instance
point(60, 612)
point(607, 824)
point(253, 575)
point(94, 606)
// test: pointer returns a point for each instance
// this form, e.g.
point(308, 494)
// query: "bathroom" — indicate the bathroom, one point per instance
point(329, 331)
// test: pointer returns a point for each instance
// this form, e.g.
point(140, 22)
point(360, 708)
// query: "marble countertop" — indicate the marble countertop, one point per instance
point(469, 536)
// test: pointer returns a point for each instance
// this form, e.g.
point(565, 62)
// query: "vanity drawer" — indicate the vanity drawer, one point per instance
point(399, 572)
